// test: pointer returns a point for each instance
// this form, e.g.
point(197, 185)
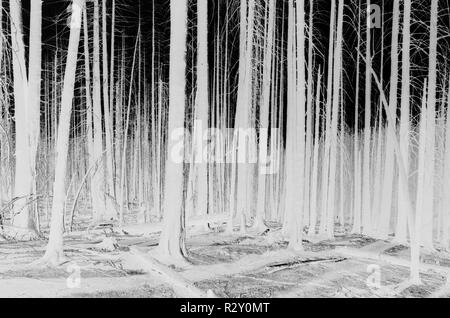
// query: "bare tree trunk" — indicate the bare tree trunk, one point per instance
point(172, 242)
point(335, 122)
point(243, 145)
point(34, 82)
point(295, 139)
point(401, 229)
point(98, 179)
point(106, 107)
point(315, 162)
point(54, 253)
point(366, 185)
point(264, 119)
point(23, 177)
point(446, 194)
point(357, 152)
point(386, 199)
point(201, 109)
point(327, 125)
point(426, 235)
point(112, 102)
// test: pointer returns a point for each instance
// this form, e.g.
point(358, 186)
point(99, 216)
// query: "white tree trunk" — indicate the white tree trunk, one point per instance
point(383, 230)
point(202, 108)
point(54, 253)
point(366, 185)
point(34, 81)
point(106, 107)
point(98, 179)
point(357, 152)
point(172, 242)
point(426, 237)
point(327, 125)
point(401, 228)
point(264, 118)
point(23, 172)
point(315, 163)
point(295, 138)
point(334, 123)
point(446, 194)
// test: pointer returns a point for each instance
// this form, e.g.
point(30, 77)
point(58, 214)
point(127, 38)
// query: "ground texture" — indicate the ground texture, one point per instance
point(239, 266)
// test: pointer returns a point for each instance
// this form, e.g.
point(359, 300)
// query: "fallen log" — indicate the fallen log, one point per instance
point(379, 256)
point(181, 286)
point(274, 268)
point(192, 224)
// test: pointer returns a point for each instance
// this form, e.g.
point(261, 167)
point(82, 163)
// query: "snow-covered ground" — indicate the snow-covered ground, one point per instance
point(229, 266)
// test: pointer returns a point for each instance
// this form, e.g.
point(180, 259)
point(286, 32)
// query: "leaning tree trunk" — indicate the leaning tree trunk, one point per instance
point(54, 253)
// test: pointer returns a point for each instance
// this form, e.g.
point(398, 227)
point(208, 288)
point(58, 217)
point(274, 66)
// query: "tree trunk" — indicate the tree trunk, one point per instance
point(23, 173)
point(98, 179)
point(54, 253)
point(426, 237)
point(366, 185)
point(401, 229)
point(172, 242)
point(383, 230)
point(201, 109)
point(264, 119)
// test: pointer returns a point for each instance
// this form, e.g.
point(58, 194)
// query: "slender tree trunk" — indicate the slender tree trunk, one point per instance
point(309, 112)
point(366, 185)
point(327, 125)
point(401, 229)
point(34, 88)
point(54, 253)
point(315, 162)
point(112, 102)
point(357, 152)
point(446, 194)
point(264, 119)
point(89, 109)
point(106, 106)
point(426, 237)
point(201, 109)
point(335, 122)
point(242, 146)
point(383, 230)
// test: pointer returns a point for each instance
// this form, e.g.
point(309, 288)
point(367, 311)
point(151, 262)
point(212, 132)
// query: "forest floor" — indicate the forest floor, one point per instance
point(237, 266)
